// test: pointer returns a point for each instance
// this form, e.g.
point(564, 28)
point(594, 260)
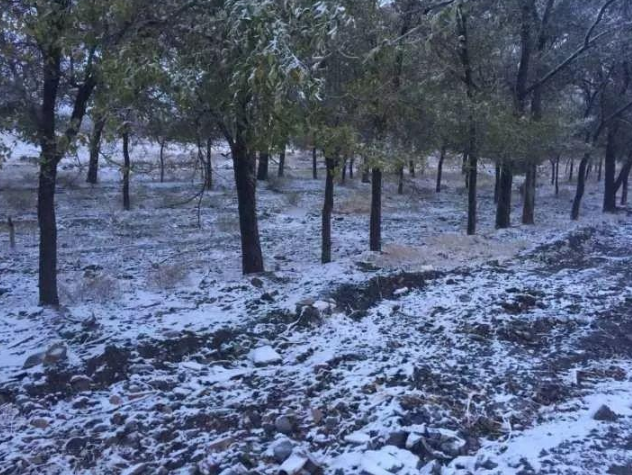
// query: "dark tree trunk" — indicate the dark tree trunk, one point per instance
point(366, 175)
point(557, 176)
point(262, 171)
point(624, 189)
point(440, 169)
point(343, 174)
point(48, 230)
point(552, 171)
point(328, 207)
point(375, 226)
point(163, 144)
point(528, 208)
point(400, 183)
point(610, 192)
point(282, 163)
point(581, 186)
point(314, 163)
point(95, 150)
point(472, 178)
point(503, 209)
point(599, 170)
point(497, 183)
point(411, 168)
point(244, 164)
point(571, 172)
point(351, 161)
point(208, 165)
point(126, 171)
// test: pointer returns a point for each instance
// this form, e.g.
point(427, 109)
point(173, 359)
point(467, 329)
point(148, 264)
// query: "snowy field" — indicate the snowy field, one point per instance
point(505, 353)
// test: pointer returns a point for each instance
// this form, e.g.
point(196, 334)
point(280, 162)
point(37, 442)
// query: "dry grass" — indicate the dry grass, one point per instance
point(168, 276)
point(99, 288)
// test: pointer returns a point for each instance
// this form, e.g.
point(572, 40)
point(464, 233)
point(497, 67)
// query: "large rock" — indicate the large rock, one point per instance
point(55, 354)
point(604, 413)
point(282, 450)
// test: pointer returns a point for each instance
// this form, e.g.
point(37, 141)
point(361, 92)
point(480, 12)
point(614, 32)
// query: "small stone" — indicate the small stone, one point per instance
point(138, 469)
point(55, 354)
point(282, 450)
point(604, 413)
point(40, 423)
point(398, 439)
point(358, 438)
point(317, 415)
point(256, 282)
point(81, 382)
point(264, 355)
point(76, 445)
point(33, 360)
point(284, 425)
point(115, 400)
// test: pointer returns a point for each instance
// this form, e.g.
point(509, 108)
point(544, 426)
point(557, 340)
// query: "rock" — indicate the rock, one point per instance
point(486, 464)
point(293, 465)
point(40, 423)
point(115, 400)
point(256, 282)
point(397, 439)
point(358, 438)
point(220, 445)
point(431, 468)
point(282, 450)
point(267, 297)
point(604, 413)
point(138, 469)
point(33, 360)
point(317, 415)
point(81, 382)
point(264, 355)
point(76, 445)
point(284, 425)
point(55, 354)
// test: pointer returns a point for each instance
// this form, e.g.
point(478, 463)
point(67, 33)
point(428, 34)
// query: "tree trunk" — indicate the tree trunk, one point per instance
point(411, 168)
point(351, 161)
point(472, 178)
point(366, 174)
point(599, 170)
point(48, 230)
point(343, 174)
point(440, 169)
point(208, 165)
point(95, 149)
point(557, 176)
point(570, 173)
point(610, 192)
point(163, 144)
point(503, 210)
point(328, 207)
point(126, 171)
point(581, 185)
point(244, 164)
point(552, 171)
point(314, 164)
point(282, 163)
point(400, 183)
point(375, 231)
point(528, 208)
point(624, 189)
point(497, 183)
point(262, 171)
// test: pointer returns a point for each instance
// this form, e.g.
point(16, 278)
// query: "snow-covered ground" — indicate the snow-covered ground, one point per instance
point(504, 353)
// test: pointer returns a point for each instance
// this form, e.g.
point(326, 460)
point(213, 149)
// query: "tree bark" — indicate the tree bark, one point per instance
point(599, 170)
point(375, 225)
point(581, 186)
point(624, 189)
point(497, 183)
point(610, 165)
point(411, 168)
point(328, 207)
point(400, 183)
point(95, 149)
point(244, 164)
point(503, 209)
point(282, 163)
point(351, 161)
point(570, 173)
point(208, 164)
point(126, 171)
point(343, 175)
point(48, 230)
point(440, 168)
point(262, 171)
point(528, 209)
point(557, 176)
point(163, 144)
point(314, 163)
point(472, 178)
